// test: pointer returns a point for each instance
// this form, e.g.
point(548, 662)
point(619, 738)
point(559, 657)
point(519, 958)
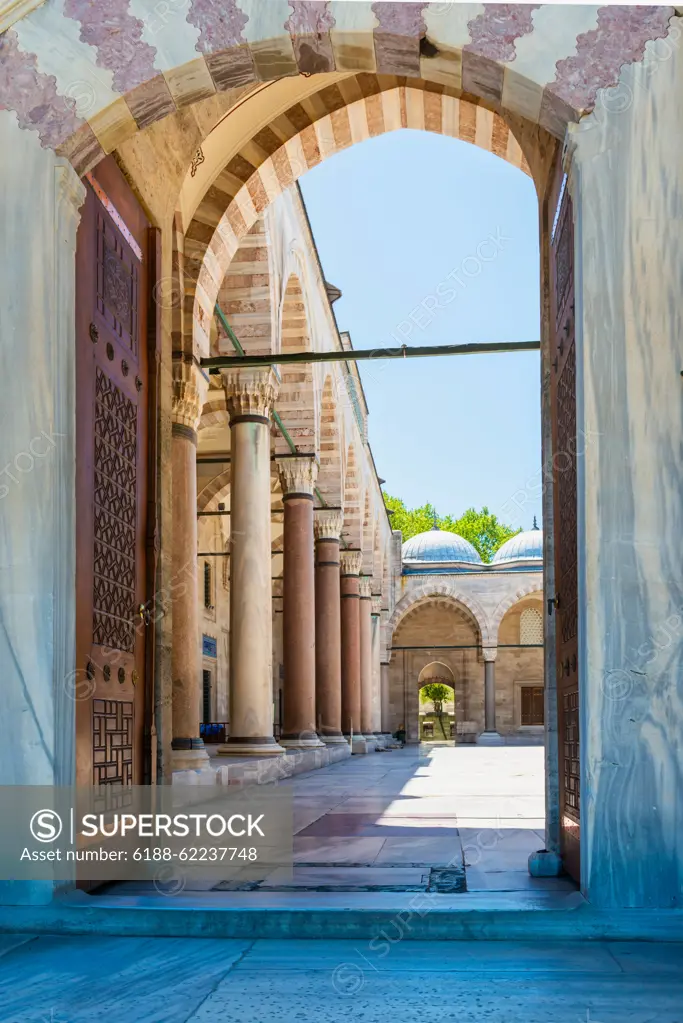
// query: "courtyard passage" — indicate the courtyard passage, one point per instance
point(443, 819)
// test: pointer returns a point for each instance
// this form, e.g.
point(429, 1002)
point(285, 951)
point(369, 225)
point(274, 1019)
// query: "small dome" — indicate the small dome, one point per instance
point(438, 545)
point(526, 546)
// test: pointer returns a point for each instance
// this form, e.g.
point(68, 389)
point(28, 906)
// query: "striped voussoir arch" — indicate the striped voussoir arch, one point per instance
point(296, 399)
point(330, 471)
point(309, 132)
point(245, 294)
point(352, 530)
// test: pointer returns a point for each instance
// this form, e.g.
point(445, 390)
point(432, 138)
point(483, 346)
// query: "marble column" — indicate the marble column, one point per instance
point(626, 180)
point(298, 474)
point(40, 200)
point(365, 629)
point(190, 386)
point(386, 709)
point(249, 398)
point(350, 644)
point(328, 659)
point(376, 626)
point(490, 737)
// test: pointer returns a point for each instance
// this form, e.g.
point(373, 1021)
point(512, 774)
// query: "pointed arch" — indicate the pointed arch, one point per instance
point(295, 402)
point(245, 291)
point(528, 589)
point(329, 431)
point(448, 589)
point(352, 533)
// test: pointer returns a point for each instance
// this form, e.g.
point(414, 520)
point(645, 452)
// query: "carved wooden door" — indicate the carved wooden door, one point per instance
point(566, 450)
point(112, 262)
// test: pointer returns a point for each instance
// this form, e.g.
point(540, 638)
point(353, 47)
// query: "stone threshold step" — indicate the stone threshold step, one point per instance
point(421, 916)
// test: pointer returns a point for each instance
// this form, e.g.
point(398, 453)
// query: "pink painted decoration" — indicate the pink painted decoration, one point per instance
point(33, 96)
point(400, 19)
point(117, 37)
point(309, 17)
point(495, 32)
point(220, 24)
point(619, 38)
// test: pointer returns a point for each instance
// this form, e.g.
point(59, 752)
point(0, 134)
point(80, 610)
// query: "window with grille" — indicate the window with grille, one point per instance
point(531, 627)
point(532, 705)
point(206, 696)
point(208, 587)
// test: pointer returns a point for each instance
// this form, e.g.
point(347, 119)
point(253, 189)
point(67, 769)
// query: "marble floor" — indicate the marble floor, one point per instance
point(201, 980)
point(431, 818)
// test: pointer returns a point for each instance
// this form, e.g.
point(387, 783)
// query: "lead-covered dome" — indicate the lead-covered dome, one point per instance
point(441, 547)
point(527, 546)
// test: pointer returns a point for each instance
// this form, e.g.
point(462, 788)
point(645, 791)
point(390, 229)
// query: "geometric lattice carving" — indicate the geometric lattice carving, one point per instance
point(570, 741)
point(115, 473)
point(531, 627)
point(117, 284)
point(566, 482)
point(112, 729)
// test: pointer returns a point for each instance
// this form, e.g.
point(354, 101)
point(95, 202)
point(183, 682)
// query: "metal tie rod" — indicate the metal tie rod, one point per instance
point(216, 362)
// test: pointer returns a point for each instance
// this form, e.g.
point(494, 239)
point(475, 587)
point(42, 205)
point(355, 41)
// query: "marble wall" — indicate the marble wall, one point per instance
point(39, 199)
point(627, 183)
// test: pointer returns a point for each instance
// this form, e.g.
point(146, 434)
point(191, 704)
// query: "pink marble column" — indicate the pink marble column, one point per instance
point(297, 476)
point(350, 644)
point(328, 650)
point(365, 619)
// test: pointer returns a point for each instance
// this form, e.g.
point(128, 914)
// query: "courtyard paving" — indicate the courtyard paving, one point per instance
point(431, 818)
point(201, 980)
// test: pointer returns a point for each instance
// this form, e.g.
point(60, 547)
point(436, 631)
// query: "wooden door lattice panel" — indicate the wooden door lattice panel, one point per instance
point(570, 740)
point(112, 742)
point(566, 487)
point(115, 516)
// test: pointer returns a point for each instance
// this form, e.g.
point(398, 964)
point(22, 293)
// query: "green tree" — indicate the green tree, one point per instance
point(436, 693)
point(482, 528)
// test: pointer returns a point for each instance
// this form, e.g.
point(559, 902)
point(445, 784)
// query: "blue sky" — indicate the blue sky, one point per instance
point(434, 241)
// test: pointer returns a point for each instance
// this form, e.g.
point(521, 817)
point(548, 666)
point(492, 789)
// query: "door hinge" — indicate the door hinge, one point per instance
point(553, 603)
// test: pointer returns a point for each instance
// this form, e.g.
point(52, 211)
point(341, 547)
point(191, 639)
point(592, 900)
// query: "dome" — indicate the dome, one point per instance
point(438, 545)
point(526, 546)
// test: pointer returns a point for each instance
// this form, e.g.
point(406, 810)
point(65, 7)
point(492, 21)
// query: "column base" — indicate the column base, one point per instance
point(247, 747)
point(545, 864)
point(310, 741)
point(333, 740)
point(189, 755)
point(490, 739)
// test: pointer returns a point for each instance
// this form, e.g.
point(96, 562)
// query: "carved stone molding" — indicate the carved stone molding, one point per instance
point(190, 388)
point(366, 586)
point(70, 195)
point(376, 604)
point(327, 523)
point(351, 562)
point(298, 475)
point(249, 392)
point(490, 653)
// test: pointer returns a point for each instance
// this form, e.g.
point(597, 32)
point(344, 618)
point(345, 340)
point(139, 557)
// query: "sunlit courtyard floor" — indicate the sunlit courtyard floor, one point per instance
point(432, 818)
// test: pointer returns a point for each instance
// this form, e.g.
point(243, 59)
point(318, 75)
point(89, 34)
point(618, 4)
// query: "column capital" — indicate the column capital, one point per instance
point(327, 523)
point(190, 388)
point(490, 653)
point(376, 604)
point(366, 587)
point(249, 392)
point(351, 562)
point(298, 474)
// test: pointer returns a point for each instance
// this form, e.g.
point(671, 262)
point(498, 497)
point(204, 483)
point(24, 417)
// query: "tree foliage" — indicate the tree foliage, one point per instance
point(435, 692)
point(482, 528)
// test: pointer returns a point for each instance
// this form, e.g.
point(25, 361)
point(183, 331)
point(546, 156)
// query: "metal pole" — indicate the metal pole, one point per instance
point(217, 362)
